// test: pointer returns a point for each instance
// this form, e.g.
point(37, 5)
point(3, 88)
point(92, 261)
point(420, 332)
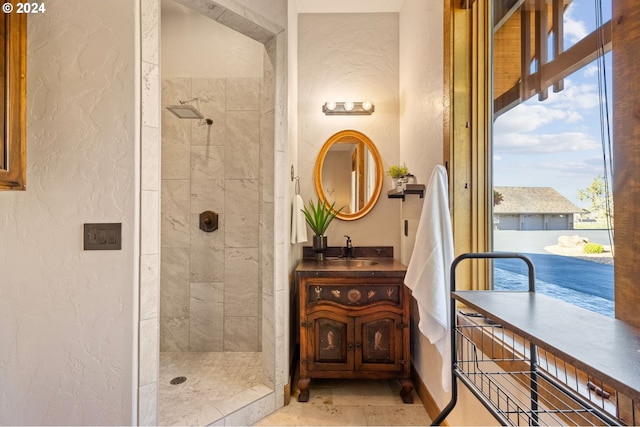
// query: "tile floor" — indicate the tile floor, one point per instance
point(217, 385)
point(350, 403)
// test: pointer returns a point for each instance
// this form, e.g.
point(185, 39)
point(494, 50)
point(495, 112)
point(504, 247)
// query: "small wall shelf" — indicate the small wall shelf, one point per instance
point(411, 189)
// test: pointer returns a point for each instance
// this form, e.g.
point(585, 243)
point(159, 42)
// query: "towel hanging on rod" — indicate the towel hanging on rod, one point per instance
point(298, 222)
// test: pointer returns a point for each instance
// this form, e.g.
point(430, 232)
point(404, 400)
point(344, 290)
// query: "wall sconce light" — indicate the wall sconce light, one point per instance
point(342, 108)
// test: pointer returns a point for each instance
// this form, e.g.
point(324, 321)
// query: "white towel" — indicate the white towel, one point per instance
point(428, 273)
point(298, 223)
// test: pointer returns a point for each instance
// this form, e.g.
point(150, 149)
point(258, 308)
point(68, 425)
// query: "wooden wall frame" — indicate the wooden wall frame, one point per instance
point(13, 91)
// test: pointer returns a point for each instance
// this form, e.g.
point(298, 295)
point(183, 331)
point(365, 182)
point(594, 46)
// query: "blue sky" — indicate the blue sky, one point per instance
point(557, 142)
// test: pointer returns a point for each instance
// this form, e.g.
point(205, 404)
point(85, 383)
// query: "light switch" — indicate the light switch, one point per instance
point(103, 236)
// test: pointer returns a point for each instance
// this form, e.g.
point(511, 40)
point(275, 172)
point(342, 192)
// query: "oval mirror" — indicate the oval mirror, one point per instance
point(349, 172)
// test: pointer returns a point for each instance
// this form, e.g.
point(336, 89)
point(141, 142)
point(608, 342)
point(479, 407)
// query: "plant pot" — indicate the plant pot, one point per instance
point(320, 247)
point(396, 184)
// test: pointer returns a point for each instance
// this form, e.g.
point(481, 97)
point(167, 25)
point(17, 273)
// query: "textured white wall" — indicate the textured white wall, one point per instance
point(190, 48)
point(421, 141)
point(353, 57)
point(421, 147)
point(66, 315)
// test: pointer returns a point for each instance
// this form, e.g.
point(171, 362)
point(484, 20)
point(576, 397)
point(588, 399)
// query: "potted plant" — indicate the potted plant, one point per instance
point(319, 216)
point(397, 172)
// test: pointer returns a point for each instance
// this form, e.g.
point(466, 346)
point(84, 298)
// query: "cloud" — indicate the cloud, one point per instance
point(574, 169)
point(574, 29)
point(562, 111)
point(590, 70)
point(576, 96)
point(523, 143)
point(527, 117)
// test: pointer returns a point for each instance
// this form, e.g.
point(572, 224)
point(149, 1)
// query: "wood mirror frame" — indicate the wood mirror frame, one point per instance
point(350, 137)
point(13, 65)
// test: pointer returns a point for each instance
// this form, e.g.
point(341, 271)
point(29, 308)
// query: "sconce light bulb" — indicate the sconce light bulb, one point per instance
point(366, 106)
point(348, 106)
point(330, 106)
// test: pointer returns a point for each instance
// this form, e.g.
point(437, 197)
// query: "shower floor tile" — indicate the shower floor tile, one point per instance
point(214, 381)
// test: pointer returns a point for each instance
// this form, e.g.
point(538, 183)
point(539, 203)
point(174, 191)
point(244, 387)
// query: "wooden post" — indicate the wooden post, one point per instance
point(626, 133)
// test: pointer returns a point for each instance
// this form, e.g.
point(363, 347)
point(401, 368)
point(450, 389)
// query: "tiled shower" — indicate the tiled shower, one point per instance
point(199, 168)
point(214, 286)
point(211, 281)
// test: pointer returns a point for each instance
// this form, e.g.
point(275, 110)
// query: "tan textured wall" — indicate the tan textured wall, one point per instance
point(66, 315)
point(345, 57)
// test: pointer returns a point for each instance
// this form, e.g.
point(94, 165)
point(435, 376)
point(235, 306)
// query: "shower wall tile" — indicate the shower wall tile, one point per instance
point(149, 30)
point(206, 326)
point(243, 196)
point(148, 404)
point(174, 90)
point(243, 127)
point(210, 94)
point(174, 282)
point(211, 101)
point(278, 268)
point(267, 84)
point(150, 205)
point(175, 333)
point(151, 82)
point(207, 179)
point(149, 287)
point(176, 157)
point(241, 213)
point(241, 333)
point(266, 156)
point(287, 187)
point(241, 296)
point(242, 161)
point(149, 348)
point(213, 281)
point(267, 340)
point(175, 129)
point(150, 152)
point(243, 94)
point(208, 135)
point(250, 414)
point(176, 213)
point(207, 265)
point(266, 248)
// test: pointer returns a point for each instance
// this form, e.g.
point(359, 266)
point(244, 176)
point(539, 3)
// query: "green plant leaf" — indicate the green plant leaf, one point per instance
point(319, 216)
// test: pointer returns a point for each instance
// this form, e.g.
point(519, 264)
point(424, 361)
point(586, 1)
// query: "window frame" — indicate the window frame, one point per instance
point(13, 139)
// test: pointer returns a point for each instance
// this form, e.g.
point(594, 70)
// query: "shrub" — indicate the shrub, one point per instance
point(593, 248)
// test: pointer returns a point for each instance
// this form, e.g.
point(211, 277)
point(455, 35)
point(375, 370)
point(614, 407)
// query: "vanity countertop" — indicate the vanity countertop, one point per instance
point(355, 267)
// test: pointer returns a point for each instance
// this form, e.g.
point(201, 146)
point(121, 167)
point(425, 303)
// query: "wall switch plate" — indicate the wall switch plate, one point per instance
point(103, 236)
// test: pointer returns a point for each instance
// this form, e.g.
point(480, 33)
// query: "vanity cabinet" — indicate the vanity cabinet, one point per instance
point(353, 327)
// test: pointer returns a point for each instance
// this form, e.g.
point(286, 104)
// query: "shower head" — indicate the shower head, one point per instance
point(185, 111)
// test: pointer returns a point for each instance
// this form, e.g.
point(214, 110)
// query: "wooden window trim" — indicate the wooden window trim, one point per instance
point(13, 143)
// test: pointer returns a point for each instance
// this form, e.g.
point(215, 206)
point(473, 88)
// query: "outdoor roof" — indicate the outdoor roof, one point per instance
point(533, 200)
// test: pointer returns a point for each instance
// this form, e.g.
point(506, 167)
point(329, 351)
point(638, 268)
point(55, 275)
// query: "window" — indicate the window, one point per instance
point(13, 58)
point(551, 146)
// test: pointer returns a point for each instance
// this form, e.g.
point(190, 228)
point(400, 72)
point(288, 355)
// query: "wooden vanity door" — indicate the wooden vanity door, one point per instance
point(330, 341)
point(379, 342)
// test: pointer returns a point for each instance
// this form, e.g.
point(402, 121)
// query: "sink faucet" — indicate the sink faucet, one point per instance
point(348, 248)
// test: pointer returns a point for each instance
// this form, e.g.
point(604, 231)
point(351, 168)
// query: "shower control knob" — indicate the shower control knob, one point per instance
point(208, 221)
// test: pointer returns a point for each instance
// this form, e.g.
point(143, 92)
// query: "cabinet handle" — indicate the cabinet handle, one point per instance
point(350, 346)
point(358, 345)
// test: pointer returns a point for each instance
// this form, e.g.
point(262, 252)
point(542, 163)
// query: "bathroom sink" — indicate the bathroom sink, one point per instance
point(352, 262)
